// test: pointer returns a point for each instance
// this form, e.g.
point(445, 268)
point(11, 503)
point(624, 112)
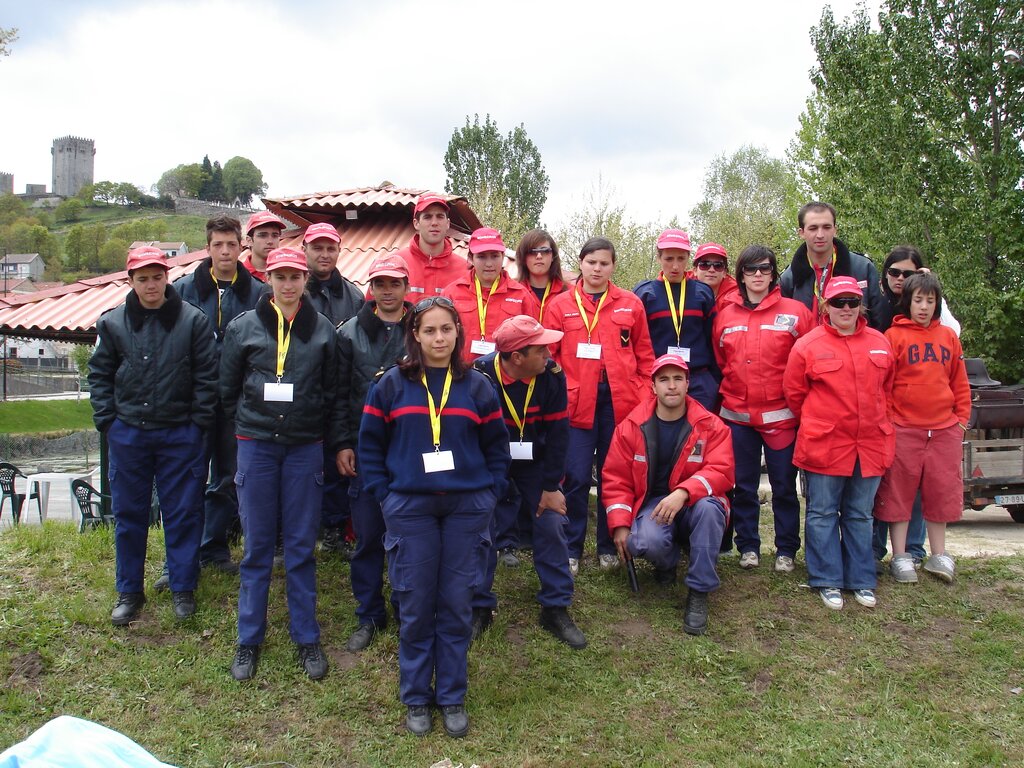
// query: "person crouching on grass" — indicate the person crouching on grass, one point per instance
point(277, 381)
point(931, 401)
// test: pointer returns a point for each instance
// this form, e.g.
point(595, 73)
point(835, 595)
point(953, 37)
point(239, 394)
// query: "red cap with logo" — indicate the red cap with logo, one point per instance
point(674, 238)
point(428, 199)
point(486, 239)
point(523, 331)
point(667, 360)
point(389, 266)
point(279, 258)
point(710, 249)
point(841, 285)
point(146, 256)
point(323, 229)
point(262, 219)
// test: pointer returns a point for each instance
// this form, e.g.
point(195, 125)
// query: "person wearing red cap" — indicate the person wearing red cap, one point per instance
point(753, 334)
point(531, 389)
point(262, 235)
point(606, 354)
point(153, 382)
point(680, 313)
point(669, 469)
point(432, 262)
point(278, 381)
point(539, 268)
point(711, 267)
point(485, 295)
point(369, 344)
point(838, 383)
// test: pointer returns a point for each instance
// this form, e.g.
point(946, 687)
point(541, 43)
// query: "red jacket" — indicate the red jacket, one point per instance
point(838, 387)
point(429, 275)
point(930, 389)
point(726, 289)
point(508, 300)
point(626, 352)
point(705, 466)
point(752, 346)
point(558, 287)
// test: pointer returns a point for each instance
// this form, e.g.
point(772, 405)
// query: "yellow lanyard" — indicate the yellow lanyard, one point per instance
point(543, 301)
point(521, 423)
point(677, 320)
point(819, 285)
point(481, 305)
point(284, 340)
point(435, 413)
point(583, 313)
point(217, 283)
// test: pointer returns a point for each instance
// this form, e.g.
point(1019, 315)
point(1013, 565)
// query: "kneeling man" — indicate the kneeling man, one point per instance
point(668, 469)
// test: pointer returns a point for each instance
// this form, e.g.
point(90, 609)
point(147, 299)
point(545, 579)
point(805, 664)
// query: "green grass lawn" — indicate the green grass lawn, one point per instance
point(926, 679)
point(31, 416)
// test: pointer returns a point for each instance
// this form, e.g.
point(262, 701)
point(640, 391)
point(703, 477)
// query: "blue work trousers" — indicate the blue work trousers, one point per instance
point(367, 567)
point(746, 507)
point(336, 508)
point(701, 525)
point(434, 545)
point(175, 457)
point(274, 479)
point(704, 389)
point(221, 502)
point(579, 468)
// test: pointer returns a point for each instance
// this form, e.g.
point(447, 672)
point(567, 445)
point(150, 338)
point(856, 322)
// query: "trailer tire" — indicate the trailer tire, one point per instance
point(1016, 512)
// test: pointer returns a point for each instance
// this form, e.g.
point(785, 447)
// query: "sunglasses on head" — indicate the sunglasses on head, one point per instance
point(904, 273)
point(753, 269)
point(710, 266)
point(541, 251)
point(844, 301)
point(431, 301)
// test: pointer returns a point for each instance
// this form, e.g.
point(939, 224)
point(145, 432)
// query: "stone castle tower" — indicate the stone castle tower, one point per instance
point(6, 183)
point(72, 164)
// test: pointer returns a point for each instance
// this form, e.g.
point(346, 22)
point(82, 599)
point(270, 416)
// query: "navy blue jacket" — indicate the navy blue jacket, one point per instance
point(698, 317)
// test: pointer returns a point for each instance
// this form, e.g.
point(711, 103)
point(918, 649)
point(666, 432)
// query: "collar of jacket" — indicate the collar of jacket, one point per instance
point(205, 284)
point(167, 314)
point(334, 284)
point(803, 271)
point(371, 323)
point(303, 324)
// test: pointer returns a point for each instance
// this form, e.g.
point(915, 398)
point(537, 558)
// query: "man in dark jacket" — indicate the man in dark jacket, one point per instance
point(153, 380)
point(368, 344)
point(223, 289)
point(822, 256)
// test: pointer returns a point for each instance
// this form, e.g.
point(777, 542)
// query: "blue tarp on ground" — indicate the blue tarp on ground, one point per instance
point(68, 742)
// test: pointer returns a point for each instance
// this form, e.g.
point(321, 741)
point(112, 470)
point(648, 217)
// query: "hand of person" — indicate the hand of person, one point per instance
point(552, 500)
point(346, 461)
point(666, 510)
point(619, 536)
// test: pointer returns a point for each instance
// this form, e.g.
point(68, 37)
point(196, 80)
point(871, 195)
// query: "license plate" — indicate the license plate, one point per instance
point(1012, 498)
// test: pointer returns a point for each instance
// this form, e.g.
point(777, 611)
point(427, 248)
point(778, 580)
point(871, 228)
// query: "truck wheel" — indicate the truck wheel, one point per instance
point(1016, 512)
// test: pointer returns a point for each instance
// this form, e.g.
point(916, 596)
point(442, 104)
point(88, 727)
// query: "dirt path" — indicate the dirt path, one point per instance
point(990, 531)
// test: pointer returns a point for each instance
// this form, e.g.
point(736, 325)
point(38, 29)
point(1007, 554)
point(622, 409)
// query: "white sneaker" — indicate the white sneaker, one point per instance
point(901, 567)
point(784, 564)
point(865, 597)
point(607, 562)
point(574, 566)
point(941, 566)
point(831, 597)
point(750, 560)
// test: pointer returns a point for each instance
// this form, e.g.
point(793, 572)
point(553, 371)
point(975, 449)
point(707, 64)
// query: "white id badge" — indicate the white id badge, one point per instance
point(683, 352)
point(438, 461)
point(588, 351)
point(481, 347)
point(522, 451)
point(275, 392)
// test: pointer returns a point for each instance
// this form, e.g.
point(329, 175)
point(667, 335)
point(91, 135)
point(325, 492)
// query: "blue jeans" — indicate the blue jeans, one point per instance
point(701, 525)
point(915, 533)
point(837, 533)
point(221, 503)
point(746, 509)
point(579, 466)
point(367, 567)
point(285, 482)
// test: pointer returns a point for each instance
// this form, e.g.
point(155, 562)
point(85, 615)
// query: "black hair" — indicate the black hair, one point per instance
point(597, 244)
point(412, 365)
point(927, 284)
point(817, 206)
point(756, 254)
point(537, 238)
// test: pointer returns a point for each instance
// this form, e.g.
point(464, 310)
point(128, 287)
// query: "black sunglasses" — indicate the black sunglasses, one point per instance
point(904, 273)
point(753, 269)
point(710, 266)
point(440, 301)
point(539, 251)
point(844, 301)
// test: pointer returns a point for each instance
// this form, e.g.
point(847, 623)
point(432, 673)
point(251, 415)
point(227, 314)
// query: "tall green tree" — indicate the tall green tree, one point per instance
point(69, 210)
point(242, 179)
point(7, 36)
point(502, 177)
point(182, 181)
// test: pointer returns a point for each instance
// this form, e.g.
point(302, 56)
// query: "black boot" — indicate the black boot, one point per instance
point(482, 619)
point(127, 608)
point(557, 621)
point(695, 617)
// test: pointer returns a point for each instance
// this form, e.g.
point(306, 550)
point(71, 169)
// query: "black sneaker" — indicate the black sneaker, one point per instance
point(224, 566)
point(312, 660)
point(164, 582)
point(482, 620)
point(331, 540)
point(127, 608)
point(418, 720)
point(508, 557)
point(360, 639)
point(184, 604)
point(456, 721)
point(665, 577)
point(243, 667)
point(558, 622)
point(695, 616)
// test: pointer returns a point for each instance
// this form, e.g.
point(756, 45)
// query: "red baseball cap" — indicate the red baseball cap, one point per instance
point(666, 360)
point(146, 256)
point(523, 331)
point(323, 229)
point(486, 239)
point(841, 285)
point(389, 266)
point(279, 258)
point(674, 238)
point(428, 199)
point(261, 219)
point(710, 249)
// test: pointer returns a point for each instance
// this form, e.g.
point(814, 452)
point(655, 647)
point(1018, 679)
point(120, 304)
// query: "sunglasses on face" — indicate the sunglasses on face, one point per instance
point(710, 266)
point(754, 269)
point(432, 301)
point(904, 273)
point(844, 301)
point(541, 251)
